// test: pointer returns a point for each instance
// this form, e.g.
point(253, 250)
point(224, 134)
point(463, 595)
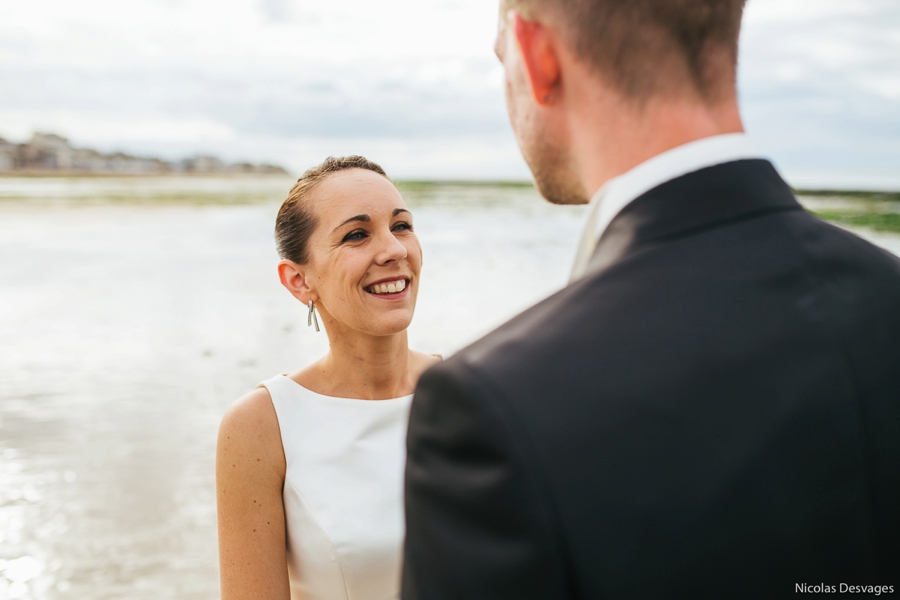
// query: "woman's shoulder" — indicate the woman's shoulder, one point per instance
point(429, 359)
point(422, 362)
point(249, 428)
point(254, 408)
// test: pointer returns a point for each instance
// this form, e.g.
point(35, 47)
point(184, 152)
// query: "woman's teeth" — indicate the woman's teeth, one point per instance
point(388, 288)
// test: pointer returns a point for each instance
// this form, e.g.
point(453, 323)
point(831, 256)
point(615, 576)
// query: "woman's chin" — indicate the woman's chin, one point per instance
point(391, 324)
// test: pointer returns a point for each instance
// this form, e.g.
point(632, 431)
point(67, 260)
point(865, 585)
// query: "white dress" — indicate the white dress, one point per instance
point(343, 492)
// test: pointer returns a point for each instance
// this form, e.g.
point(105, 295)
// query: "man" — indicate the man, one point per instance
point(712, 407)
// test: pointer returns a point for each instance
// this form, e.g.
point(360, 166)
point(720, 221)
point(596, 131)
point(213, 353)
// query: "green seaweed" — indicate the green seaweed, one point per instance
point(876, 221)
point(852, 194)
point(421, 185)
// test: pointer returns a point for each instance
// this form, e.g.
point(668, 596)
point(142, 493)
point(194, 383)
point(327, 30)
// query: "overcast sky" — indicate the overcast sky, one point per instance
point(412, 84)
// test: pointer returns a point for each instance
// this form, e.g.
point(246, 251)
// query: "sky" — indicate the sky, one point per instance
point(412, 84)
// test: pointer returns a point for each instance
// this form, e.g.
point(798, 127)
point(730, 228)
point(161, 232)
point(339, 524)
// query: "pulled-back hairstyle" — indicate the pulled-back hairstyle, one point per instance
point(633, 42)
point(296, 222)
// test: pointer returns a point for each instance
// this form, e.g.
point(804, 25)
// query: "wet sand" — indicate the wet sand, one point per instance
point(127, 327)
point(134, 311)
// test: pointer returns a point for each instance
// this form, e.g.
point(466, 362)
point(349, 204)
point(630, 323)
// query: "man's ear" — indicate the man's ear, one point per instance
point(539, 56)
point(293, 277)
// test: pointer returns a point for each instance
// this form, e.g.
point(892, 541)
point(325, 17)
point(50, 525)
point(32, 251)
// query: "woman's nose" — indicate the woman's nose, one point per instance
point(391, 250)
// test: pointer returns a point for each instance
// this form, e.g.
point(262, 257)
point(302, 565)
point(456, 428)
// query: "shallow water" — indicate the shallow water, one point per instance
point(133, 311)
point(128, 326)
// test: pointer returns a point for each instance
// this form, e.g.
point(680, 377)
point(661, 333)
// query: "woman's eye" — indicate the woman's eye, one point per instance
point(402, 227)
point(355, 236)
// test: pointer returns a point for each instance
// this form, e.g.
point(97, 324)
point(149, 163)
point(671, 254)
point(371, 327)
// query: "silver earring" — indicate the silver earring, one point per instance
point(312, 318)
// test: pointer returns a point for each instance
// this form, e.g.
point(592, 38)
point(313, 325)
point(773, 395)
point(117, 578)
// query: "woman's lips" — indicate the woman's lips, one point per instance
point(390, 290)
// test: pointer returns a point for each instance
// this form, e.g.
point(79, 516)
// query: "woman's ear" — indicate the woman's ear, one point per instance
point(294, 278)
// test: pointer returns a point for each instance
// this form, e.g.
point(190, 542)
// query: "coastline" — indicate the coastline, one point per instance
point(876, 210)
point(881, 195)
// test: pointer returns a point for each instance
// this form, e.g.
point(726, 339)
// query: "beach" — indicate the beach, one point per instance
point(136, 309)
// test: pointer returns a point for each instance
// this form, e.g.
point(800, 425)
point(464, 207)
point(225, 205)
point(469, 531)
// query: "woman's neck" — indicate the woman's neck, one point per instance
point(365, 367)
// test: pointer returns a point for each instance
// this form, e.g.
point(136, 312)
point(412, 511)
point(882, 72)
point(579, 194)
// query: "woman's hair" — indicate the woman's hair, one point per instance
point(296, 222)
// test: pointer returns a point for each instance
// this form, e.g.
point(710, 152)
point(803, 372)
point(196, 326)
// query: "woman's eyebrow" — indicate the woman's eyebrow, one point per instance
point(367, 218)
point(363, 218)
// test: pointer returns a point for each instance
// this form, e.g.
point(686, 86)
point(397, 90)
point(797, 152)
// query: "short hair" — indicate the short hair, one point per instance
point(631, 42)
point(296, 222)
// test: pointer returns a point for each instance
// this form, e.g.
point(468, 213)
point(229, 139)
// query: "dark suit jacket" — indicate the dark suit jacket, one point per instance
point(713, 411)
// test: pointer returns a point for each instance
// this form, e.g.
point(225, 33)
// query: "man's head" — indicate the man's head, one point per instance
point(642, 53)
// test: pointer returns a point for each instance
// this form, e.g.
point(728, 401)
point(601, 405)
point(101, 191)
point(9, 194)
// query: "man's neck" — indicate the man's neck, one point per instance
point(615, 137)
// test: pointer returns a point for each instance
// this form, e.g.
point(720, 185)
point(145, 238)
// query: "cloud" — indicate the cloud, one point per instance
point(278, 11)
point(820, 87)
point(417, 99)
point(111, 131)
point(291, 80)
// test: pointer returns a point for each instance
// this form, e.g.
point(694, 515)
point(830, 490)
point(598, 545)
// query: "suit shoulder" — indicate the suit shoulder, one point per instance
point(850, 242)
point(845, 258)
point(521, 344)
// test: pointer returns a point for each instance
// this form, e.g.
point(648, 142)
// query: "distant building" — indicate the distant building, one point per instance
point(9, 154)
point(263, 169)
point(90, 161)
point(203, 164)
point(51, 152)
point(47, 151)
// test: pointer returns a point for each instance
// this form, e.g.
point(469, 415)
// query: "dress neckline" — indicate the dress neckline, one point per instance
point(341, 399)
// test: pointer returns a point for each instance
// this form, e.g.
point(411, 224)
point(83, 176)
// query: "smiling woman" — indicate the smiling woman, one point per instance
point(309, 465)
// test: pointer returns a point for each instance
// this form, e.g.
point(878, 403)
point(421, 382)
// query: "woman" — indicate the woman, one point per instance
point(309, 467)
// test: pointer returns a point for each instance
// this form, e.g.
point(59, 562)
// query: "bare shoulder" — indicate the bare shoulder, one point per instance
point(421, 362)
point(249, 432)
point(250, 471)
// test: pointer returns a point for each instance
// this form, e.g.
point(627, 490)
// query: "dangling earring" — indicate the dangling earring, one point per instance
point(312, 318)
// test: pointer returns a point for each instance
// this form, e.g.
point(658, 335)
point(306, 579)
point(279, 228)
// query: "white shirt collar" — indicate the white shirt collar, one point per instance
point(620, 191)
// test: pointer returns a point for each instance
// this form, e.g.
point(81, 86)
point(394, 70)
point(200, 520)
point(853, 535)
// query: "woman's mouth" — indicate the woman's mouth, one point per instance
point(388, 288)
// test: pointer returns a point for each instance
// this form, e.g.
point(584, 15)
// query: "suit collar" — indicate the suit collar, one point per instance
point(671, 164)
point(699, 200)
point(620, 191)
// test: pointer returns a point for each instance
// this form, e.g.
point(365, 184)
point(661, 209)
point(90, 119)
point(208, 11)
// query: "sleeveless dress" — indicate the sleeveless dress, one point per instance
point(343, 492)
